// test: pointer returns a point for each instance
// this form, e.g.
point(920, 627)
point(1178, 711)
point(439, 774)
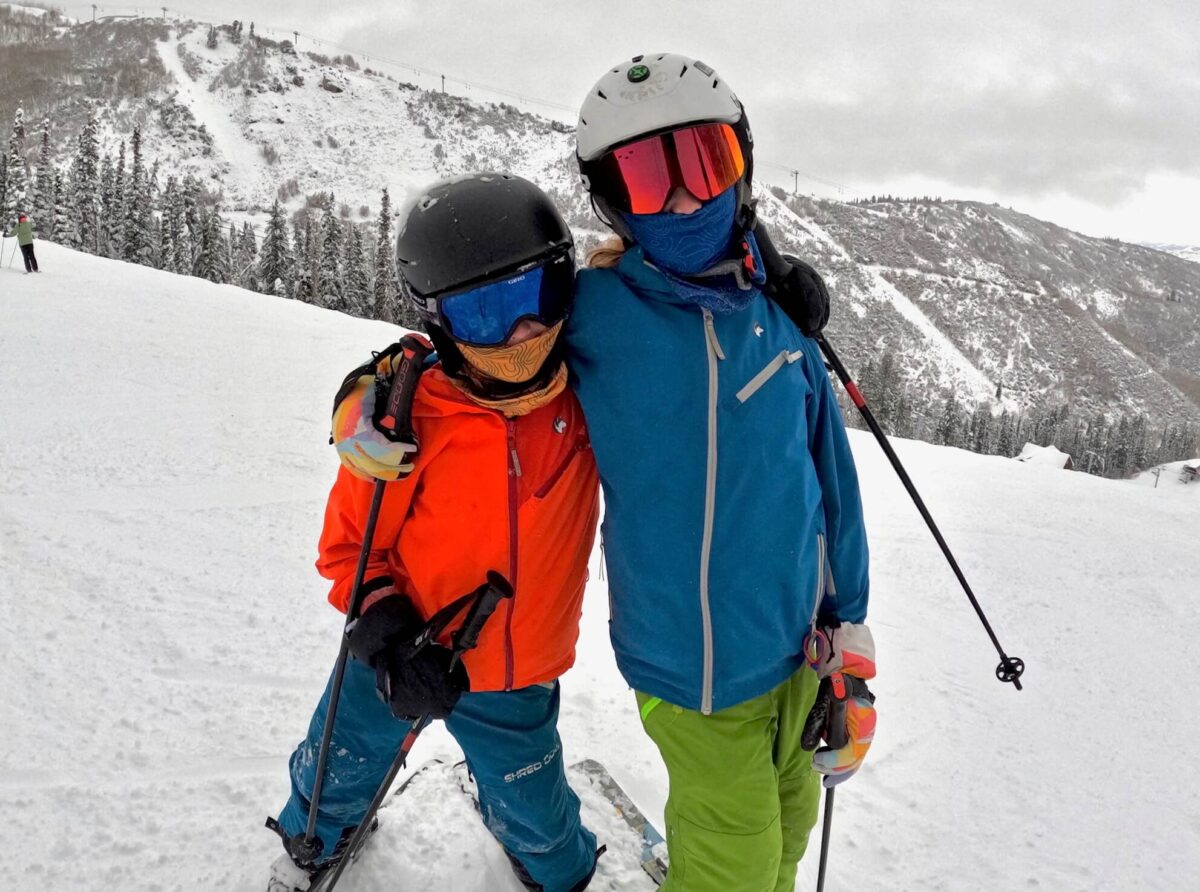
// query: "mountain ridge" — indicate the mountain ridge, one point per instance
point(982, 302)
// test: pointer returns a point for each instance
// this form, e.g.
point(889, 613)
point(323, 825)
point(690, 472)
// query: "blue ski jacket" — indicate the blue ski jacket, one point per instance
point(732, 508)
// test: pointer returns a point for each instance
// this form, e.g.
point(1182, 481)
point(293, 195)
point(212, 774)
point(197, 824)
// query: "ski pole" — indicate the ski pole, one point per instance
point(1010, 668)
point(825, 839)
point(465, 639)
point(777, 269)
point(398, 412)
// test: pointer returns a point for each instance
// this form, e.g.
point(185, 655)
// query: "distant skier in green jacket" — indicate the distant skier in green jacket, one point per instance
point(24, 233)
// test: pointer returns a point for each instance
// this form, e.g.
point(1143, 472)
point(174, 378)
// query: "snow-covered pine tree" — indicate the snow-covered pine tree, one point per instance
point(114, 211)
point(890, 390)
point(212, 255)
point(107, 199)
point(193, 218)
point(387, 302)
point(948, 430)
point(85, 189)
point(171, 225)
point(1096, 453)
point(1005, 436)
point(248, 247)
point(904, 424)
point(62, 230)
point(1119, 455)
point(233, 251)
point(43, 204)
point(358, 296)
point(275, 259)
point(332, 287)
point(1139, 449)
point(981, 429)
point(16, 187)
point(137, 246)
point(307, 255)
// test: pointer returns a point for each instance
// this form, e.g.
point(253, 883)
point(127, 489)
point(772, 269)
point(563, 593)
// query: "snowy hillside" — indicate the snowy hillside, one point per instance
point(1187, 252)
point(163, 634)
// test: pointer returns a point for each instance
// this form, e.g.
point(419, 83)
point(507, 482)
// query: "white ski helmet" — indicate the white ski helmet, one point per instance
point(651, 94)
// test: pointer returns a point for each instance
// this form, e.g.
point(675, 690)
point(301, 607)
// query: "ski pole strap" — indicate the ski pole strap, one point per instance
point(479, 604)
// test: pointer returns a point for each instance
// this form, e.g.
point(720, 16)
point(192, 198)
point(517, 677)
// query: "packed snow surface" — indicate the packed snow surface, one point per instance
point(163, 635)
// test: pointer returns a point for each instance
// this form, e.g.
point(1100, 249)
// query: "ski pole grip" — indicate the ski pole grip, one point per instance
point(396, 419)
point(495, 590)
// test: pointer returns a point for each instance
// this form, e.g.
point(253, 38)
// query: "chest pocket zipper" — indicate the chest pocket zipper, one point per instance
point(581, 445)
point(768, 371)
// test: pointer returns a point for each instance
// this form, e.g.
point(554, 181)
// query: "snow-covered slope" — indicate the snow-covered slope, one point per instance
point(163, 635)
point(1187, 252)
point(275, 115)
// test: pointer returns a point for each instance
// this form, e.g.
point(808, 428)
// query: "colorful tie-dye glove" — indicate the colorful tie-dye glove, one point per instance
point(369, 443)
point(844, 713)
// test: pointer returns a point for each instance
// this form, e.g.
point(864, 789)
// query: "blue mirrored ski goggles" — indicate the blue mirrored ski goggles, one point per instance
point(487, 315)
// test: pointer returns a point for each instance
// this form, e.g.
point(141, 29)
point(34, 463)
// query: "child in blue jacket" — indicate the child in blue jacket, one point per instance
point(733, 526)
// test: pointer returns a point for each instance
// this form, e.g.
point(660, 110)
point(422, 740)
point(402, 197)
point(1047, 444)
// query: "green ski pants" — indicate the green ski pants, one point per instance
point(743, 795)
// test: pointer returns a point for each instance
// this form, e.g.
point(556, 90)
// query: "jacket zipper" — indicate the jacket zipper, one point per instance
point(581, 445)
point(713, 351)
point(822, 586)
point(755, 384)
point(514, 472)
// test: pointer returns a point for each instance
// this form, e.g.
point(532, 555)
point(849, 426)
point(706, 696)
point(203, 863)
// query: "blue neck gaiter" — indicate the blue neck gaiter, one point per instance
point(693, 252)
point(687, 244)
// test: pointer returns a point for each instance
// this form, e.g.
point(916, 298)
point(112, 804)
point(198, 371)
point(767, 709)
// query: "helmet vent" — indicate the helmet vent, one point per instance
point(638, 58)
point(683, 71)
point(600, 93)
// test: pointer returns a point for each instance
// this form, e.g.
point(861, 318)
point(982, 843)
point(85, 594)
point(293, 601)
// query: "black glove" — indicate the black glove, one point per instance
point(794, 285)
point(412, 673)
point(421, 684)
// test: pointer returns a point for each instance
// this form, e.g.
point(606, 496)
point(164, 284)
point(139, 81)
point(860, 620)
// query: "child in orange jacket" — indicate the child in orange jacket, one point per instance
point(503, 479)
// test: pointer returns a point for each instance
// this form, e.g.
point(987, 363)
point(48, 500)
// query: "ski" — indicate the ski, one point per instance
point(654, 847)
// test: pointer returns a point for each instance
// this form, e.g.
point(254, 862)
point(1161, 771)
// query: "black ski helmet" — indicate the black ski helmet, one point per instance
point(472, 230)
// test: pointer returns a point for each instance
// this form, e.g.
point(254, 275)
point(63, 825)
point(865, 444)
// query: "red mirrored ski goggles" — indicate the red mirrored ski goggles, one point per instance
point(639, 177)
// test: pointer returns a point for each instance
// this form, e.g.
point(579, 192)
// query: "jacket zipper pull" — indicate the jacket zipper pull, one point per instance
point(516, 462)
point(711, 332)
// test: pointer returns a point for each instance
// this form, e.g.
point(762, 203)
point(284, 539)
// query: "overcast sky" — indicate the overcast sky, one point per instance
point(1085, 112)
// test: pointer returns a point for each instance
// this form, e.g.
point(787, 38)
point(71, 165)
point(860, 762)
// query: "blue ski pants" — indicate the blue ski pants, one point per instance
point(511, 743)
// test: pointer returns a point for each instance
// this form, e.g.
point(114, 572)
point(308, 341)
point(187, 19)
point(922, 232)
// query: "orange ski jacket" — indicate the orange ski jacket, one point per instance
point(518, 495)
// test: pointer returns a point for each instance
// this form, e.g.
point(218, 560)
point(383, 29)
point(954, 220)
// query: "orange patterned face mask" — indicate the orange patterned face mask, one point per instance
point(516, 363)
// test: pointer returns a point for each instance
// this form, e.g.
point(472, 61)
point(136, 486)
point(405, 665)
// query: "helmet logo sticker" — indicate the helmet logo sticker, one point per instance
point(649, 84)
point(638, 73)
